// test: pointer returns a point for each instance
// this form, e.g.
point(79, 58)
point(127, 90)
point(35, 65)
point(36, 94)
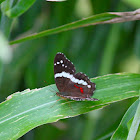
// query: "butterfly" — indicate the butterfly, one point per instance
point(72, 85)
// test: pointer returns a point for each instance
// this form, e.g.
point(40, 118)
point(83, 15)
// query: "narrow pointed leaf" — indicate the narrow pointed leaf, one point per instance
point(104, 18)
point(122, 130)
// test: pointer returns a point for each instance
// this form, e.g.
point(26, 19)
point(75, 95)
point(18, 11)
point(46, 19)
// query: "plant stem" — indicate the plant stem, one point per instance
point(110, 50)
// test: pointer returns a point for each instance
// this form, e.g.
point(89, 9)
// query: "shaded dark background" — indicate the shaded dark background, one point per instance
point(94, 50)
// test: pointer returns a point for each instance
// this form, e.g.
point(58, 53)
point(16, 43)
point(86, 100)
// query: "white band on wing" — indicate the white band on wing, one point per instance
point(73, 79)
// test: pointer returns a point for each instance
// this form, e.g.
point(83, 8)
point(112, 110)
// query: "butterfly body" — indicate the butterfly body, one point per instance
point(71, 85)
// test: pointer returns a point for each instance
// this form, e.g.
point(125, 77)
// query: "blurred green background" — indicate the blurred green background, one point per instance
point(94, 50)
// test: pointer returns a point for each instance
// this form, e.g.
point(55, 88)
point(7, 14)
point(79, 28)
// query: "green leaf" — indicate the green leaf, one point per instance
point(23, 111)
point(135, 124)
point(138, 134)
point(96, 19)
point(122, 130)
point(20, 7)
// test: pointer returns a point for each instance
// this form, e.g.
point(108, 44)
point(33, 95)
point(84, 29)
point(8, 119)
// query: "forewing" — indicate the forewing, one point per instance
point(63, 71)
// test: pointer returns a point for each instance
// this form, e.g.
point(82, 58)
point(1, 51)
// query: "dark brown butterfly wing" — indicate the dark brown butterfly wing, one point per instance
point(72, 86)
point(62, 67)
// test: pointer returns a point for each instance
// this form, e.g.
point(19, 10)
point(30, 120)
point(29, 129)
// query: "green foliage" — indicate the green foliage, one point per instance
point(19, 8)
point(85, 22)
point(122, 130)
point(37, 30)
point(42, 107)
